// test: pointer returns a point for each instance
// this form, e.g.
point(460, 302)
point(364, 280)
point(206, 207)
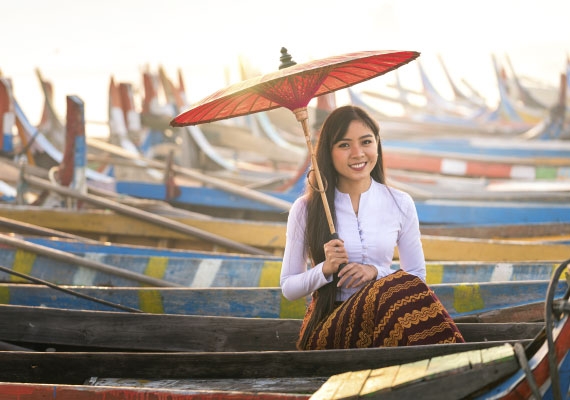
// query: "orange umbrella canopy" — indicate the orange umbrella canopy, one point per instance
point(293, 87)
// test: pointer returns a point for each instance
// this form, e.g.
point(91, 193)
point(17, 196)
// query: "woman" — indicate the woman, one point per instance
point(358, 301)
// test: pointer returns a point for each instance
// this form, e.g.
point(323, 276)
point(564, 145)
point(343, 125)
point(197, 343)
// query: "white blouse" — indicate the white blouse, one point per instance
point(387, 218)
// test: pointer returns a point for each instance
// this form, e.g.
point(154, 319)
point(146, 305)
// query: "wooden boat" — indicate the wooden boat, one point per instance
point(505, 372)
point(47, 366)
point(107, 226)
point(460, 299)
point(40, 258)
point(33, 372)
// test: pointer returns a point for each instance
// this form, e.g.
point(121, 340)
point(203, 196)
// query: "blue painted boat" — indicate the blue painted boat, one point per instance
point(460, 299)
point(442, 211)
point(503, 147)
point(203, 269)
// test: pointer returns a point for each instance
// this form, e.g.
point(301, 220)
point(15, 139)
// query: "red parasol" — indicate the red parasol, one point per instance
point(293, 87)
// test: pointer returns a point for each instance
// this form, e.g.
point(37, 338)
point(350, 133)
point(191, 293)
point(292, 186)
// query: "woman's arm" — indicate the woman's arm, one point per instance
point(296, 279)
point(410, 248)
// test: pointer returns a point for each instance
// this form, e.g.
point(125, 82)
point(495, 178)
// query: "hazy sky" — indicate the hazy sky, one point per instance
point(78, 45)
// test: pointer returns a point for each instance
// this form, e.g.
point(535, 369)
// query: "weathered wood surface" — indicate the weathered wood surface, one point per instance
point(75, 367)
point(521, 231)
point(51, 327)
point(533, 312)
point(456, 375)
point(197, 391)
point(260, 302)
point(256, 388)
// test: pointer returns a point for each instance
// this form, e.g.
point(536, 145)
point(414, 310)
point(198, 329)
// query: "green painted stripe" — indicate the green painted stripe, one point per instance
point(546, 172)
point(150, 301)
point(467, 298)
point(23, 263)
point(156, 267)
point(270, 274)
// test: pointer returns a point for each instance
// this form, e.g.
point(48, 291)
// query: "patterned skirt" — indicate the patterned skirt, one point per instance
point(397, 310)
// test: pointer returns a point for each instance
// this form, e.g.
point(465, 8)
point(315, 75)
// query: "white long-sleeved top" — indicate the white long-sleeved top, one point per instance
point(387, 218)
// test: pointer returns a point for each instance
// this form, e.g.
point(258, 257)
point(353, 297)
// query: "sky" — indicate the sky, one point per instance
point(79, 45)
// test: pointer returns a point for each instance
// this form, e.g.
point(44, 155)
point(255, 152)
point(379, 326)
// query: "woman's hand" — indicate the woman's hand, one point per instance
point(335, 256)
point(355, 274)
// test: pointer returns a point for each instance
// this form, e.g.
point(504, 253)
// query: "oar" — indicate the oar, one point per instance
point(143, 215)
point(84, 262)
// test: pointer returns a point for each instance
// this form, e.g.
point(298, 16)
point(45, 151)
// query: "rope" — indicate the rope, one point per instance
point(521, 356)
point(549, 315)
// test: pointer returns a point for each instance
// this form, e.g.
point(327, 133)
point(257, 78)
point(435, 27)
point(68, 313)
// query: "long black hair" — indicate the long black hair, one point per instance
point(317, 231)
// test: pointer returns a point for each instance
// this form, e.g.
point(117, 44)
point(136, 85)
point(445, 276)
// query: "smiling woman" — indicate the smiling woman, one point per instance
point(358, 301)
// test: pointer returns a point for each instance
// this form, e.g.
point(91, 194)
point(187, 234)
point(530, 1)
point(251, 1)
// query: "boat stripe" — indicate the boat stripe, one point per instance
point(453, 167)
point(502, 272)
point(206, 273)
point(270, 274)
point(293, 309)
point(86, 276)
point(523, 172)
point(546, 172)
point(434, 273)
point(491, 169)
point(4, 295)
point(467, 298)
point(565, 273)
point(156, 267)
point(150, 301)
point(23, 263)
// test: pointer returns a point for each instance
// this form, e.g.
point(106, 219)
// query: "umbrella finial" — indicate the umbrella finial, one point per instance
point(286, 60)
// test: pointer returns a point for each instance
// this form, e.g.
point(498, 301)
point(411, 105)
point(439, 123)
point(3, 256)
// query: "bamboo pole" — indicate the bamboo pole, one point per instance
point(84, 262)
point(190, 173)
point(40, 230)
point(143, 215)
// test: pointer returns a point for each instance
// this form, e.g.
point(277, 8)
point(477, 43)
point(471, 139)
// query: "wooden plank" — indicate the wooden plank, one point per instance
point(455, 375)
point(163, 332)
point(300, 385)
point(352, 384)
point(457, 362)
point(74, 368)
point(328, 390)
point(380, 380)
point(26, 391)
point(409, 373)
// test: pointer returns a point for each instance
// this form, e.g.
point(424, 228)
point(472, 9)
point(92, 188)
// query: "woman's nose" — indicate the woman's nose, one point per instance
point(357, 151)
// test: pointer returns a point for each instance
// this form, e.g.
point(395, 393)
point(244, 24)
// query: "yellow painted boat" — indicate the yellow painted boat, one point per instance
point(269, 237)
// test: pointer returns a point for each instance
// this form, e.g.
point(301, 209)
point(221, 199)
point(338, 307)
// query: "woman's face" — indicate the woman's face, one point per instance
point(355, 155)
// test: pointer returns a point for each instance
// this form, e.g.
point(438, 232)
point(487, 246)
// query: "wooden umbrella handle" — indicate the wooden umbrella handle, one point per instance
point(303, 117)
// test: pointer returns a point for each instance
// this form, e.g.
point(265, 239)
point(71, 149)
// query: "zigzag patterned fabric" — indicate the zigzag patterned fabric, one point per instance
point(397, 310)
